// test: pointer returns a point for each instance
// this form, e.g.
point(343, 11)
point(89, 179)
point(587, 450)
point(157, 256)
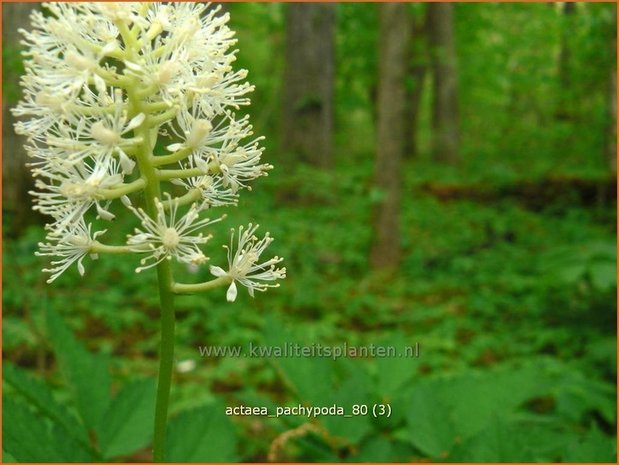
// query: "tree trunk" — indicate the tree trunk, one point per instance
point(445, 137)
point(611, 133)
point(394, 37)
point(611, 103)
point(16, 179)
point(564, 108)
point(417, 69)
point(307, 122)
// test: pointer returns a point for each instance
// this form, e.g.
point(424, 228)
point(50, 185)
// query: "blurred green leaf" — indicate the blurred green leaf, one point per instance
point(354, 390)
point(300, 372)
point(201, 435)
point(394, 372)
point(38, 394)
point(603, 275)
point(8, 458)
point(128, 422)
point(377, 195)
point(87, 374)
point(593, 447)
point(445, 411)
point(498, 442)
point(29, 438)
point(430, 424)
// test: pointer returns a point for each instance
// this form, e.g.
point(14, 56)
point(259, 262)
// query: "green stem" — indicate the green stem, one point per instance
point(166, 358)
point(166, 175)
point(98, 247)
point(191, 196)
point(173, 157)
point(152, 191)
point(163, 117)
point(124, 189)
point(180, 288)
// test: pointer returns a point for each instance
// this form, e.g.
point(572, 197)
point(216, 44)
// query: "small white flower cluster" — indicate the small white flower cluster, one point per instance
point(107, 82)
point(243, 263)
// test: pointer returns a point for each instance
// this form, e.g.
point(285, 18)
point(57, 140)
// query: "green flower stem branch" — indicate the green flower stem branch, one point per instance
point(125, 189)
point(172, 158)
point(190, 197)
point(98, 247)
point(180, 288)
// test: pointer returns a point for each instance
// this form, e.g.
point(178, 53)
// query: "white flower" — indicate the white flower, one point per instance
point(64, 49)
point(98, 137)
point(219, 150)
point(71, 246)
point(243, 263)
point(185, 54)
point(68, 192)
point(238, 164)
point(43, 108)
point(185, 366)
point(166, 237)
point(126, 12)
point(211, 189)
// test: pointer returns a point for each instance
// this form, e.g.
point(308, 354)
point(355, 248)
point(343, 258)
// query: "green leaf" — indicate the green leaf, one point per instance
point(8, 458)
point(573, 273)
point(352, 391)
point(579, 394)
point(70, 449)
point(376, 449)
point(499, 442)
point(383, 449)
point(39, 395)
point(201, 435)
point(128, 423)
point(603, 275)
point(87, 374)
point(394, 372)
point(300, 373)
point(429, 420)
point(25, 436)
point(377, 195)
point(28, 438)
point(594, 447)
point(478, 397)
point(445, 410)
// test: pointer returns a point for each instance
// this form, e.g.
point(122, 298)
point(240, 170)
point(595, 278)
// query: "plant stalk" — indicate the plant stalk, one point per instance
point(152, 191)
point(166, 358)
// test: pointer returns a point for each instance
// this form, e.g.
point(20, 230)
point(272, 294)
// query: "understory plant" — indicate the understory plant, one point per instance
point(134, 104)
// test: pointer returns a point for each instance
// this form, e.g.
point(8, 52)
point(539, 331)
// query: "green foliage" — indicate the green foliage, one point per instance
point(518, 411)
point(12, 63)
point(594, 263)
point(87, 374)
point(203, 434)
point(22, 429)
point(57, 420)
point(513, 307)
point(123, 428)
point(127, 423)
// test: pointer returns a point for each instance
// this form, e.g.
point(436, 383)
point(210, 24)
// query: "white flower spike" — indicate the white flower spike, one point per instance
point(102, 83)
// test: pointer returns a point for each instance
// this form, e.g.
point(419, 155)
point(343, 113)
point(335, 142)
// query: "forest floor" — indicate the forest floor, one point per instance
point(508, 289)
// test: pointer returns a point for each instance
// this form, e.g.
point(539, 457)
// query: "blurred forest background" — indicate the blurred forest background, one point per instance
point(444, 174)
